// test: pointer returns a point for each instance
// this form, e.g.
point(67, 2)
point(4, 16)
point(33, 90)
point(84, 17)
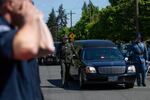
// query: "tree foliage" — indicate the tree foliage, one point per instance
point(52, 24)
point(89, 17)
point(62, 17)
point(145, 18)
point(61, 22)
point(115, 22)
point(58, 24)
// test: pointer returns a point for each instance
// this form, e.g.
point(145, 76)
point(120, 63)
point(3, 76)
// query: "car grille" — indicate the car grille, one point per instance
point(112, 70)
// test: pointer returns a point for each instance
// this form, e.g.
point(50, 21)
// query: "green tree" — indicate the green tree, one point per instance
point(52, 24)
point(84, 9)
point(89, 16)
point(144, 18)
point(62, 17)
point(117, 2)
point(62, 22)
point(115, 22)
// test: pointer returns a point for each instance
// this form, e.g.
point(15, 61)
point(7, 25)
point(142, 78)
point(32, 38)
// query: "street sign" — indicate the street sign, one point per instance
point(71, 36)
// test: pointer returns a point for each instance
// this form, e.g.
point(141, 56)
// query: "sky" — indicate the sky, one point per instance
point(75, 5)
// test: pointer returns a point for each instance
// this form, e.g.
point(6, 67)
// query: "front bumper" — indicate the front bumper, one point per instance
point(117, 79)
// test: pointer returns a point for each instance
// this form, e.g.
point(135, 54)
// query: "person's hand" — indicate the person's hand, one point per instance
point(26, 13)
point(35, 31)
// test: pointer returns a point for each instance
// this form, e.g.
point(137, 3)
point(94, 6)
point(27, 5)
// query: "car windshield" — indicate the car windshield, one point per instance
point(102, 54)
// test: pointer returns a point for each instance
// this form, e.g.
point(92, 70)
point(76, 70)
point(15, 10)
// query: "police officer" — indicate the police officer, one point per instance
point(140, 57)
point(66, 57)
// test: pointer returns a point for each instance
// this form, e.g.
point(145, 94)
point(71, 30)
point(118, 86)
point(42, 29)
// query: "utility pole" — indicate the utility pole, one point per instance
point(137, 16)
point(71, 13)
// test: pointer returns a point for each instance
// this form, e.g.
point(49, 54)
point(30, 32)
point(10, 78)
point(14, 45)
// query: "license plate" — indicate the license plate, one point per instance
point(112, 78)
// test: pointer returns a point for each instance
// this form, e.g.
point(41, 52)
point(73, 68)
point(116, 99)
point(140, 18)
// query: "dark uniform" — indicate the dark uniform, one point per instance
point(66, 60)
point(139, 57)
point(19, 80)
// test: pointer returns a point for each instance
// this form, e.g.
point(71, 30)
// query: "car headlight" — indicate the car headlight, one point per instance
point(90, 69)
point(131, 69)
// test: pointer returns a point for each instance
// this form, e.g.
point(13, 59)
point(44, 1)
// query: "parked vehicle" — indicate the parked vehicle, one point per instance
point(55, 57)
point(41, 60)
point(51, 58)
point(99, 61)
point(148, 47)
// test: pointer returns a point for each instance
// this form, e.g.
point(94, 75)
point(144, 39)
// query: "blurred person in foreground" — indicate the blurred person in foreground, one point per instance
point(23, 37)
point(140, 59)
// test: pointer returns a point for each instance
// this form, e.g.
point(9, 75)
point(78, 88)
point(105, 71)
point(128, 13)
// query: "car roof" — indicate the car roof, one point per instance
point(94, 43)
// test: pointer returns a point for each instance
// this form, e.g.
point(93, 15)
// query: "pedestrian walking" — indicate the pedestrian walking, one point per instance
point(23, 37)
point(140, 58)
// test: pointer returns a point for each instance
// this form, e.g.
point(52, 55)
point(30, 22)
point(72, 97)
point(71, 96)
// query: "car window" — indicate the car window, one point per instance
point(101, 54)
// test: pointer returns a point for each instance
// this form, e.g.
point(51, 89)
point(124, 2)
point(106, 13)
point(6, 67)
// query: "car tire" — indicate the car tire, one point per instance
point(64, 80)
point(129, 85)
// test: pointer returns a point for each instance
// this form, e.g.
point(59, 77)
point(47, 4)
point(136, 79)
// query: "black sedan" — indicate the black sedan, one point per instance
point(99, 61)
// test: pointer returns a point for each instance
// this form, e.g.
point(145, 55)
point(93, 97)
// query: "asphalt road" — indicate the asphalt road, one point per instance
point(50, 84)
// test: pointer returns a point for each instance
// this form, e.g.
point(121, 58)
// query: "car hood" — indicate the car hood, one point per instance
point(105, 63)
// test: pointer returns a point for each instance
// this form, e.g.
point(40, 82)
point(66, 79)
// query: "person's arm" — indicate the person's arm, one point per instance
point(33, 37)
point(26, 42)
point(46, 40)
